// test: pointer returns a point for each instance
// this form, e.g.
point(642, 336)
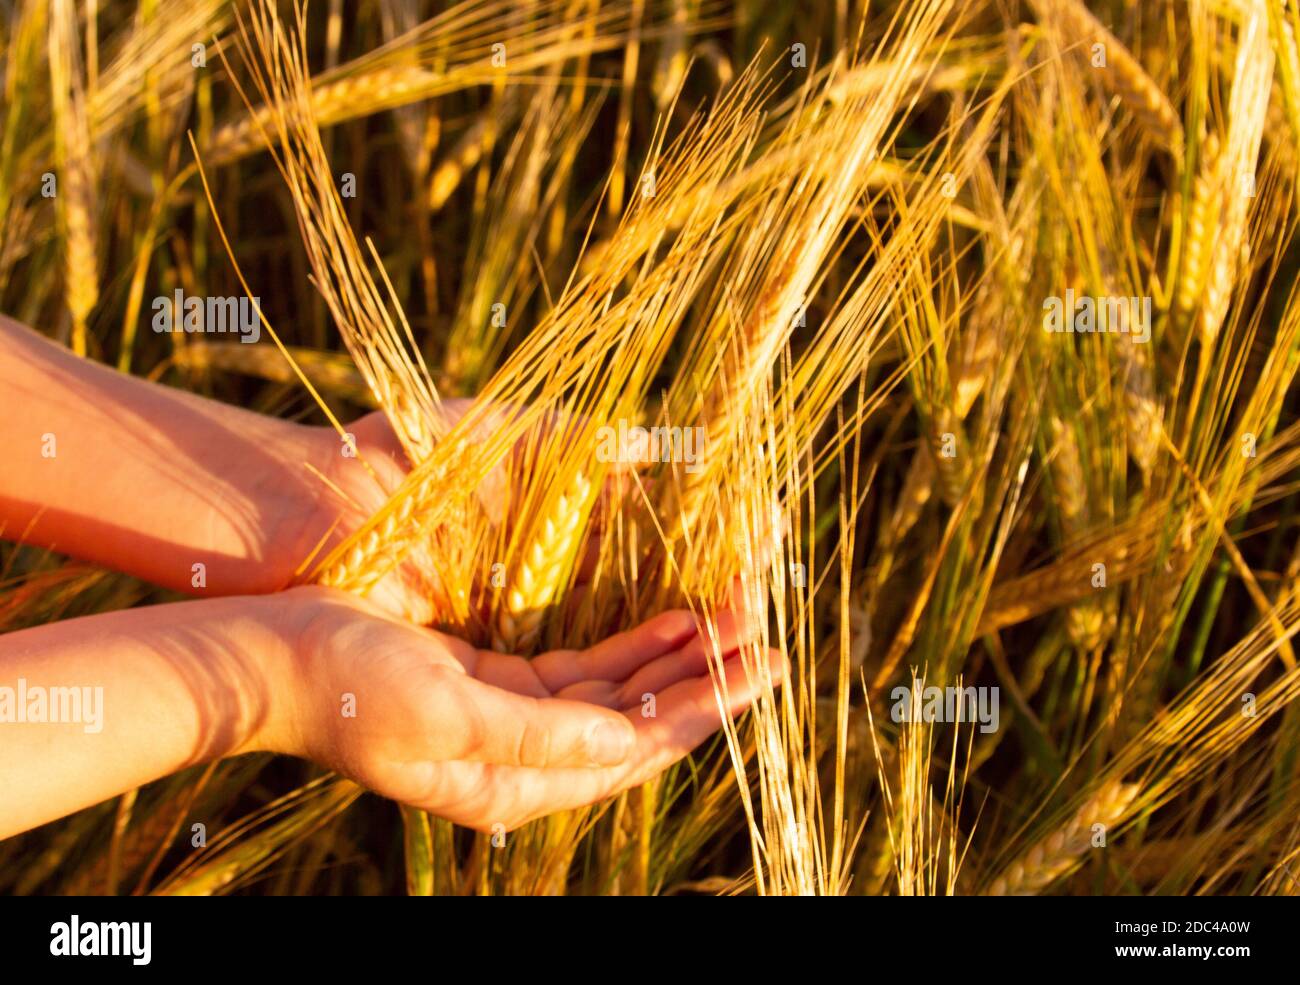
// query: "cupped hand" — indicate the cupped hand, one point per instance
point(486, 739)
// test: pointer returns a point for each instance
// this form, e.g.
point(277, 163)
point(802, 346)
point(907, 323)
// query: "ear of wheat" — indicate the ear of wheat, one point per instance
point(543, 566)
point(1061, 851)
point(1247, 114)
point(1122, 72)
point(1202, 225)
point(830, 260)
point(75, 201)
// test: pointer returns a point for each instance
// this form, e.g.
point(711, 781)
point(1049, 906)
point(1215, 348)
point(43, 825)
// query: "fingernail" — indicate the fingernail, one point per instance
point(607, 744)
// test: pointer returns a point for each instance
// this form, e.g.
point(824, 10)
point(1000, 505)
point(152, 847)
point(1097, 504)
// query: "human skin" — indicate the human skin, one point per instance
point(149, 480)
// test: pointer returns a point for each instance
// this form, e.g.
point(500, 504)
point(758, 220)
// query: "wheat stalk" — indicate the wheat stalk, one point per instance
point(952, 471)
point(1248, 112)
point(1123, 73)
point(331, 103)
point(1086, 620)
point(333, 372)
point(1059, 852)
point(72, 151)
point(385, 541)
point(1202, 226)
point(540, 573)
point(374, 326)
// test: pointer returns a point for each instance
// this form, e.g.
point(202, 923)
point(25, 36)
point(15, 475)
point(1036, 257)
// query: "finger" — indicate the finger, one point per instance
point(488, 724)
point(607, 694)
point(590, 675)
point(659, 675)
point(729, 634)
point(656, 676)
point(658, 654)
point(691, 660)
point(687, 714)
point(618, 656)
point(510, 673)
point(516, 675)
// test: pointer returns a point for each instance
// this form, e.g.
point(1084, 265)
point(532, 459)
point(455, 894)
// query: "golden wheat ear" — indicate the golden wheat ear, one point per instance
point(75, 202)
point(1053, 857)
point(543, 569)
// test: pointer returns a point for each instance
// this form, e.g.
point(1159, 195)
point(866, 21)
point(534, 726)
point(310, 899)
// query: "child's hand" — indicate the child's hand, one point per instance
point(487, 739)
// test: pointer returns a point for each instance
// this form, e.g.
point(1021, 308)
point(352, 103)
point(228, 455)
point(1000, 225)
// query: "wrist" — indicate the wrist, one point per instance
point(299, 628)
point(294, 496)
point(268, 640)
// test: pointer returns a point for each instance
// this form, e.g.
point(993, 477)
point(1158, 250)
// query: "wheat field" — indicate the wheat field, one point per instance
point(961, 338)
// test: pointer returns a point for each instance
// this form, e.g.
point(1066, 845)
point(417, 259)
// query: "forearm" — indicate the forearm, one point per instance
point(111, 702)
point(144, 478)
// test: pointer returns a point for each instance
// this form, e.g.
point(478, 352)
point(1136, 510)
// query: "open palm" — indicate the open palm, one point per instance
point(487, 739)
